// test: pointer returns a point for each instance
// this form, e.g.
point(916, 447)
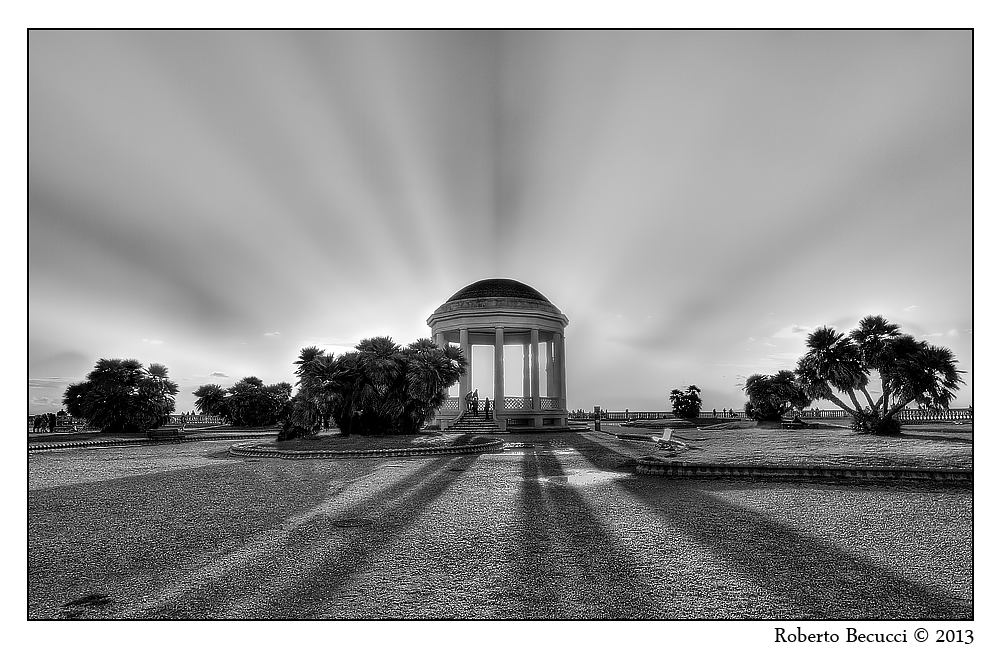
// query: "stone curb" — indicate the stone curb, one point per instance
point(139, 442)
point(249, 449)
point(102, 443)
point(674, 469)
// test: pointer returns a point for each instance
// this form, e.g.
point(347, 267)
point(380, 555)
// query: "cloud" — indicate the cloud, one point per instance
point(793, 331)
point(272, 333)
point(910, 308)
point(152, 341)
point(780, 360)
point(50, 382)
point(44, 401)
point(331, 347)
point(949, 333)
point(770, 345)
point(218, 374)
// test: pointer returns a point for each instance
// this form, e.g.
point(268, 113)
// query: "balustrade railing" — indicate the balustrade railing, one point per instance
point(195, 420)
point(516, 403)
point(906, 415)
point(549, 403)
point(450, 404)
point(64, 423)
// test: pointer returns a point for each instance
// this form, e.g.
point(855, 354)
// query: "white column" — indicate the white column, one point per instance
point(561, 365)
point(556, 365)
point(439, 339)
point(550, 389)
point(535, 405)
point(463, 383)
point(526, 374)
point(498, 372)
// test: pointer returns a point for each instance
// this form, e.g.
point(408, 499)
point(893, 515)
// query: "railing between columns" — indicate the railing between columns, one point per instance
point(550, 403)
point(516, 403)
point(524, 403)
point(450, 404)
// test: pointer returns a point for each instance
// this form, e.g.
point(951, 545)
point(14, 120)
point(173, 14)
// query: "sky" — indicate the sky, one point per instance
point(695, 202)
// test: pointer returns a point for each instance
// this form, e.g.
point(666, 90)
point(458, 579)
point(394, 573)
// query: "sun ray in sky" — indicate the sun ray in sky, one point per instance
point(692, 201)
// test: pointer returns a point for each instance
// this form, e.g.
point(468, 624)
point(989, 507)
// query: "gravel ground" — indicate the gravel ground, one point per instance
point(559, 530)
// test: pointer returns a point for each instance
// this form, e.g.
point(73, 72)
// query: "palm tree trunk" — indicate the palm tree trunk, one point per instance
point(854, 399)
point(885, 396)
point(870, 402)
point(836, 400)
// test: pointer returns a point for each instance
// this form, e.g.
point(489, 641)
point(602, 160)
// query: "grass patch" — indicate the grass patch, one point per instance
point(328, 442)
point(929, 445)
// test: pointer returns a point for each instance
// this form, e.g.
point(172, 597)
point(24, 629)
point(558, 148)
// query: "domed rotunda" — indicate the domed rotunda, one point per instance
point(526, 332)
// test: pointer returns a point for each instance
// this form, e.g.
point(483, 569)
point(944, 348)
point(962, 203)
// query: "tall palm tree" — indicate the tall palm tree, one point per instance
point(910, 371)
point(874, 336)
point(832, 361)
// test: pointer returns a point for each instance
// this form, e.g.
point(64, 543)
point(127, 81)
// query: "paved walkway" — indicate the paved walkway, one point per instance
point(561, 529)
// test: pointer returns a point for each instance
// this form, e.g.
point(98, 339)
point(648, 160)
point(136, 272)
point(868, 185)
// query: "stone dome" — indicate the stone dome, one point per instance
point(498, 288)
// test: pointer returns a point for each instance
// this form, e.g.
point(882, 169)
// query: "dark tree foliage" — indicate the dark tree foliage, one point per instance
point(379, 388)
point(686, 403)
point(211, 400)
point(773, 396)
point(248, 403)
point(120, 395)
point(910, 372)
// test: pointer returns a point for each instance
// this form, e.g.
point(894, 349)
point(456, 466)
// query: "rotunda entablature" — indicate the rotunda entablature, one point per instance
point(456, 315)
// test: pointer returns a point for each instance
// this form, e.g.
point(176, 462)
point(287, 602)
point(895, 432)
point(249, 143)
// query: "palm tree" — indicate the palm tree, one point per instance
point(923, 373)
point(687, 403)
point(910, 371)
point(379, 388)
point(430, 371)
point(120, 395)
point(325, 383)
point(832, 361)
point(873, 336)
point(211, 400)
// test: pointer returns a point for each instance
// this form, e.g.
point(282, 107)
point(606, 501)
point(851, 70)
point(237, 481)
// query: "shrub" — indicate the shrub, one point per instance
point(248, 403)
point(771, 397)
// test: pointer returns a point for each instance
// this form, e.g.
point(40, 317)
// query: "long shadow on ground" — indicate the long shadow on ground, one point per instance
point(316, 560)
point(822, 579)
point(129, 537)
point(566, 565)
